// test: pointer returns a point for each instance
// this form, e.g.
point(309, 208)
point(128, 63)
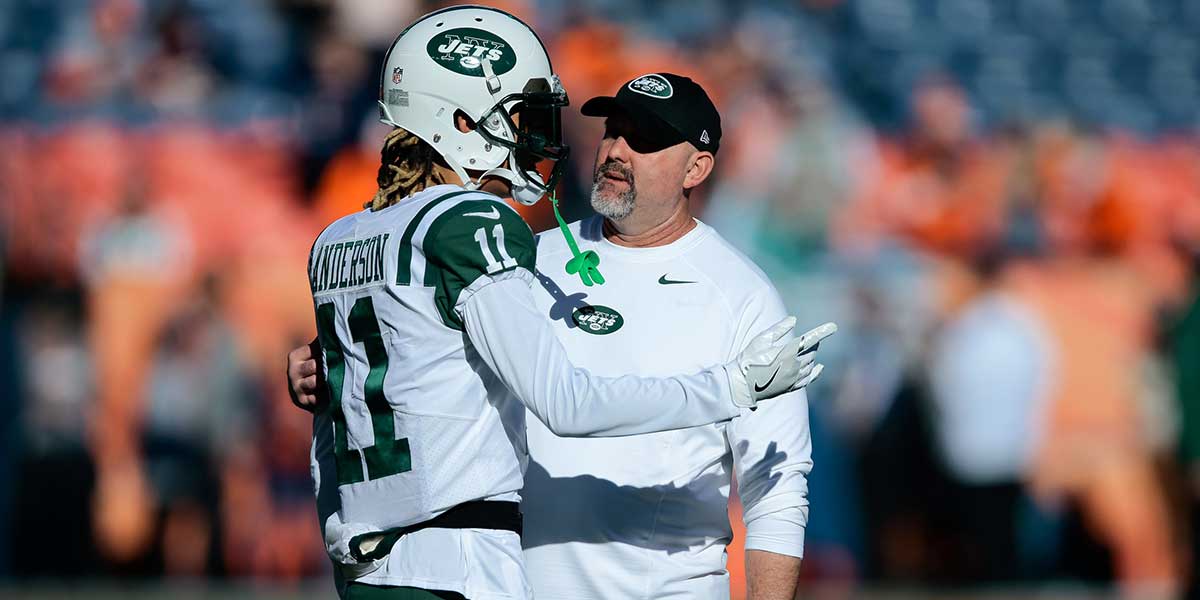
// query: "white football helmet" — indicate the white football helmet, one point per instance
point(487, 65)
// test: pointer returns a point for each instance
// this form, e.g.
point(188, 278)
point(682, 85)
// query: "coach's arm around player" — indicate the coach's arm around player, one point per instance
point(770, 365)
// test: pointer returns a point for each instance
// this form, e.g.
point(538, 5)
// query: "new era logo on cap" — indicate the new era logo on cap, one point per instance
point(704, 136)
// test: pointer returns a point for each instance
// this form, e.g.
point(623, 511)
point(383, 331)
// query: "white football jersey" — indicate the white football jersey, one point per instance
point(645, 516)
point(410, 431)
point(426, 320)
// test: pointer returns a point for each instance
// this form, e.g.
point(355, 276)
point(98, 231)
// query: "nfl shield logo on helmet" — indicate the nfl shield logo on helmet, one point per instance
point(397, 75)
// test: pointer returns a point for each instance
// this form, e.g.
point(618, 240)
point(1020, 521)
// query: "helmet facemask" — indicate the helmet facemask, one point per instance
point(534, 136)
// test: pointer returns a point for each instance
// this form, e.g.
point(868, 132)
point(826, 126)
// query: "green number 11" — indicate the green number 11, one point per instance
point(388, 456)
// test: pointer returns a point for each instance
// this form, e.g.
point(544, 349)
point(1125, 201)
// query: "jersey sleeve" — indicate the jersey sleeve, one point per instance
point(474, 244)
point(772, 453)
point(519, 345)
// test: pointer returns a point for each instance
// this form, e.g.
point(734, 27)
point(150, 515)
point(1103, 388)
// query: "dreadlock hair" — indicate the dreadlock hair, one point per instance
point(406, 167)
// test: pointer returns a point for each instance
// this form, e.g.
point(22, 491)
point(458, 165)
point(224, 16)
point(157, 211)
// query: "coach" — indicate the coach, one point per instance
point(646, 516)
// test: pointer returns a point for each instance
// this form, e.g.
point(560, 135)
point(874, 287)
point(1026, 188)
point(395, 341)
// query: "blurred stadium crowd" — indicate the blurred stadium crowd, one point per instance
point(998, 201)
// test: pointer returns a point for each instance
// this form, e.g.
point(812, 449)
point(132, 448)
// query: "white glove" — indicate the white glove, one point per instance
point(770, 366)
point(339, 536)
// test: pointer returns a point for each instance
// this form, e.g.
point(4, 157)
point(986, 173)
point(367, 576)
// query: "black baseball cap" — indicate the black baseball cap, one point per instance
point(666, 108)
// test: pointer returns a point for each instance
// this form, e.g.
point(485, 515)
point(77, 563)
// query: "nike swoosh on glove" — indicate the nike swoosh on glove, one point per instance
point(771, 365)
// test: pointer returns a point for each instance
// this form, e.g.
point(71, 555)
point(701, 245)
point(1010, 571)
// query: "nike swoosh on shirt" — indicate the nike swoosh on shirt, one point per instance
point(494, 214)
point(663, 280)
point(768, 383)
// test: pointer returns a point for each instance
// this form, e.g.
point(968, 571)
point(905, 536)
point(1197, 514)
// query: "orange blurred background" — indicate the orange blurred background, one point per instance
point(999, 200)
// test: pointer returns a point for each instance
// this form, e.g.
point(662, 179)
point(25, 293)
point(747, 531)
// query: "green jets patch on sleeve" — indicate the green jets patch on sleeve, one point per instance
point(478, 238)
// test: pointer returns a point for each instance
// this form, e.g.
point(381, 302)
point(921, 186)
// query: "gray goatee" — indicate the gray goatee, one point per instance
point(622, 205)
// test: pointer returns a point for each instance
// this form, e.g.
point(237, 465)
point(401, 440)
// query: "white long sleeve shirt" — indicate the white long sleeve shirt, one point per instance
point(645, 516)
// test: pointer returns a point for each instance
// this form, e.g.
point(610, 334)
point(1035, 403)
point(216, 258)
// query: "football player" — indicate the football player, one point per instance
point(428, 328)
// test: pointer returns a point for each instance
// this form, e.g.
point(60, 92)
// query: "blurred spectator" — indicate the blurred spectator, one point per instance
point(344, 88)
point(792, 164)
point(175, 79)
point(991, 367)
point(941, 189)
point(875, 369)
point(1185, 349)
point(198, 409)
point(98, 56)
point(135, 267)
point(1095, 452)
point(877, 407)
point(55, 475)
point(11, 397)
point(267, 504)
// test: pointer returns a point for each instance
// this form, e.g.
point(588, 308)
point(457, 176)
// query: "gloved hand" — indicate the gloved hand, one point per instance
point(770, 365)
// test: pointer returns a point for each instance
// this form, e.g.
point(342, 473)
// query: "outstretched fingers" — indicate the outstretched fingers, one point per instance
point(812, 338)
point(808, 375)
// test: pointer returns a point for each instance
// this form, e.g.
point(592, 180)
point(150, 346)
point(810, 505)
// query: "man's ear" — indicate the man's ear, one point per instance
point(700, 166)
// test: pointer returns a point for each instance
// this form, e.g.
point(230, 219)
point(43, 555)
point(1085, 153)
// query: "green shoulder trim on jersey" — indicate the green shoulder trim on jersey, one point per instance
point(404, 263)
point(471, 240)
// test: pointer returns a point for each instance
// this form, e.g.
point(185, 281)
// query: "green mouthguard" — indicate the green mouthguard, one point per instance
point(586, 264)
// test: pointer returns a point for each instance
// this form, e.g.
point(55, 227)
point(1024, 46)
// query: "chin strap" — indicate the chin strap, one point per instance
point(526, 189)
point(586, 264)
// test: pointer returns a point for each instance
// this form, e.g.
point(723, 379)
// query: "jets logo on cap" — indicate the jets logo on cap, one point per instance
point(655, 86)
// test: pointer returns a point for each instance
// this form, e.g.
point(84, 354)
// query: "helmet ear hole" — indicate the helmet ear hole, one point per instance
point(463, 122)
